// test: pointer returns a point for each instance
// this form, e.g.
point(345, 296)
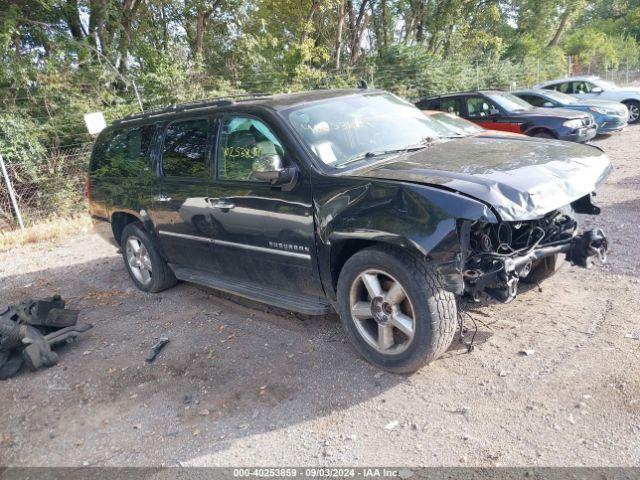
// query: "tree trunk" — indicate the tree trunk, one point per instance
point(202, 21)
point(357, 26)
point(315, 4)
point(384, 24)
point(564, 22)
point(338, 47)
point(97, 29)
point(72, 17)
point(129, 8)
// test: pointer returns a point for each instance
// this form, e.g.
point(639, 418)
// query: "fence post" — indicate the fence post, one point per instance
point(12, 195)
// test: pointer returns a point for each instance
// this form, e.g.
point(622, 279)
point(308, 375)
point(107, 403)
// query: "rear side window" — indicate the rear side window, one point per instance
point(533, 100)
point(564, 87)
point(122, 152)
point(185, 149)
point(451, 105)
point(479, 107)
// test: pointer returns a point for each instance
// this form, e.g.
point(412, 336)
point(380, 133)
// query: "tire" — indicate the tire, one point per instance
point(430, 309)
point(634, 110)
point(543, 134)
point(146, 258)
point(543, 269)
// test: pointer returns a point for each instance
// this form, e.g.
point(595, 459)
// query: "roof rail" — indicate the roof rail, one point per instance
point(198, 104)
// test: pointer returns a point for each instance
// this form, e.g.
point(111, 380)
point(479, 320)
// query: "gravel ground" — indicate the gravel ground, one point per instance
point(241, 384)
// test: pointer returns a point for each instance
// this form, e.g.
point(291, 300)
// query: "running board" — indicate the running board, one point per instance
point(286, 300)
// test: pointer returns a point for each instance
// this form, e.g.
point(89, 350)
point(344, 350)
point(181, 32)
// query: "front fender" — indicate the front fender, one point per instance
point(421, 218)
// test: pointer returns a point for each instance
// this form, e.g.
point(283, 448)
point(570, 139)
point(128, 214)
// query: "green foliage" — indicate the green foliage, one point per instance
point(21, 145)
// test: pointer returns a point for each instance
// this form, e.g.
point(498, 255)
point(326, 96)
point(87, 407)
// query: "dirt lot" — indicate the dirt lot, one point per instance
point(243, 385)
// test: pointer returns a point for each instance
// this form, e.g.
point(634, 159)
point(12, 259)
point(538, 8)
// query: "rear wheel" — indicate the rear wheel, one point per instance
point(394, 309)
point(634, 110)
point(147, 268)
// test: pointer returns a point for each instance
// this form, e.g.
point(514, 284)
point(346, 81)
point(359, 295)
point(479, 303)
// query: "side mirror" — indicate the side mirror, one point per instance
point(494, 111)
point(269, 168)
point(596, 90)
point(548, 105)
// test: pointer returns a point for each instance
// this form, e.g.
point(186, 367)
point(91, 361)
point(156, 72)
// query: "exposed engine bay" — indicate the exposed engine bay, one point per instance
point(499, 255)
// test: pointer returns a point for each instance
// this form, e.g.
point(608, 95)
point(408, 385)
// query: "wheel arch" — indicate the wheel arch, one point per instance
point(120, 219)
point(342, 249)
point(533, 130)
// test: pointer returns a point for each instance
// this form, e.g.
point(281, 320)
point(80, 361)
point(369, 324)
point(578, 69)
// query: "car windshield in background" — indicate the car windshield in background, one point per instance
point(560, 97)
point(364, 127)
point(509, 102)
point(458, 126)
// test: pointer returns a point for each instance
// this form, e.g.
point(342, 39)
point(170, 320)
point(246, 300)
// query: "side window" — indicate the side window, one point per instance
point(243, 140)
point(451, 105)
point(582, 87)
point(427, 105)
point(564, 87)
point(122, 153)
point(184, 153)
point(479, 107)
point(533, 100)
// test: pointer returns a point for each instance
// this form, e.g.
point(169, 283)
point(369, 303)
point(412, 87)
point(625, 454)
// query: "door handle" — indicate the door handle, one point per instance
point(223, 205)
point(162, 198)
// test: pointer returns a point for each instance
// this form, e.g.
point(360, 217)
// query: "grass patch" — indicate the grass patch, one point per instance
point(50, 230)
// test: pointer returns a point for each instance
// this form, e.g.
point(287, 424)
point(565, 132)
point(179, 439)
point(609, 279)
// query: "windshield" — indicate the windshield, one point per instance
point(361, 127)
point(560, 97)
point(509, 102)
point(458, 126)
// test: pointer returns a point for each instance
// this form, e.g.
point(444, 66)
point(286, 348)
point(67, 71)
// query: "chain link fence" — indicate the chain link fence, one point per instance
point(44, 190)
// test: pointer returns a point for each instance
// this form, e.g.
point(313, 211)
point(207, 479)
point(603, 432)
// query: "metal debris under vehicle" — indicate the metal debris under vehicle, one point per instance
point(29, 330)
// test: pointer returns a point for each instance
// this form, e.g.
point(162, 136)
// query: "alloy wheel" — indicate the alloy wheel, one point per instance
point(138, 260)
point(634, 112)
point(382, 312)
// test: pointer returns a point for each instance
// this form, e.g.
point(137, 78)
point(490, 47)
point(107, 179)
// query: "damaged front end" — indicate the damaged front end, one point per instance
point(500, 255)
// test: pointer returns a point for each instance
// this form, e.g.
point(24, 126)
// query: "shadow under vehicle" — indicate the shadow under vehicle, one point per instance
point(346, 200)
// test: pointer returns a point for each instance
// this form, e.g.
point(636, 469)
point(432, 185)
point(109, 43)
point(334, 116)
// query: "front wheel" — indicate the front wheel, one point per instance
point(634, 110)
point(394, 309)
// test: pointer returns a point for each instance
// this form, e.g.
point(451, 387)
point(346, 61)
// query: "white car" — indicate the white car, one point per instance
point(595, 87)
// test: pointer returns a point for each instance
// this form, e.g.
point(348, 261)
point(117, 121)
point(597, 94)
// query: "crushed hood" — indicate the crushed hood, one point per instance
point(520, 177)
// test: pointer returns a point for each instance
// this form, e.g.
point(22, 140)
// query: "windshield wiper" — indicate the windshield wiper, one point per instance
point(378, 153)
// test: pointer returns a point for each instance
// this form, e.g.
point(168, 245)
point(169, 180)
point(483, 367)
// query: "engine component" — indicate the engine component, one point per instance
point(502, 254)
point(29, 330)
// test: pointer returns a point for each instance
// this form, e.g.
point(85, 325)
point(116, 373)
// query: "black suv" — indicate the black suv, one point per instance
point(498, 110)
point(348, 199)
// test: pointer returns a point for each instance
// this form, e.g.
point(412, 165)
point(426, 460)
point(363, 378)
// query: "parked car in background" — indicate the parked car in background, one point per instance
point(461, 127)
point(609, 116)
point(498, 110)
point(350, 200)
point(592, 87)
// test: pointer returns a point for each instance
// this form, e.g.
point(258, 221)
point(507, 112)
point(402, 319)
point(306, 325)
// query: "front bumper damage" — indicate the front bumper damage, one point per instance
point(496, 257)
point(501, 283)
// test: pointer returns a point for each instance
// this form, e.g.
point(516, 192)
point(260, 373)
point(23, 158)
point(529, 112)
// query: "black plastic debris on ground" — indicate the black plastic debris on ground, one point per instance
point(155, 350)
point(29, 331)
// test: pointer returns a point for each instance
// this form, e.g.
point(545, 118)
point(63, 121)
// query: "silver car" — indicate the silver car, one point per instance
point(592, 87)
